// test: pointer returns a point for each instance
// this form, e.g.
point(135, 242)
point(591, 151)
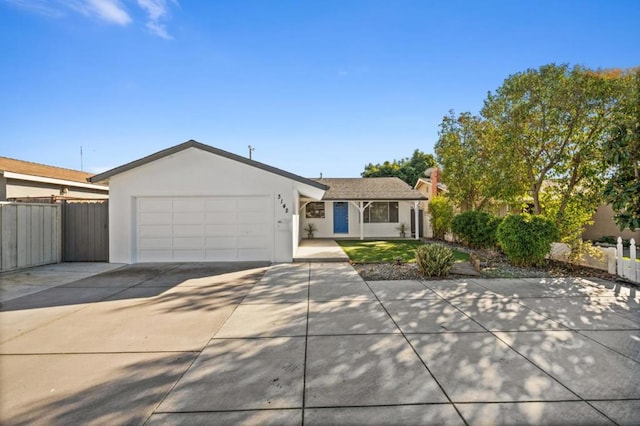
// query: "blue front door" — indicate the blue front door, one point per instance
point(341, 218)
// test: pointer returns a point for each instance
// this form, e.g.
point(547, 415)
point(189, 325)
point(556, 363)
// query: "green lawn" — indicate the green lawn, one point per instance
point(387, 251)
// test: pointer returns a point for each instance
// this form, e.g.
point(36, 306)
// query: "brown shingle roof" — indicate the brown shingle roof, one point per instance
point(377, 188)
point(42, 170)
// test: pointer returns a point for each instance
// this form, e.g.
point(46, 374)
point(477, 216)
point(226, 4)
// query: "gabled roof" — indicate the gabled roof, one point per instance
point(427, 181)
point(376, 188)
point(194, 144)
point(42, 170)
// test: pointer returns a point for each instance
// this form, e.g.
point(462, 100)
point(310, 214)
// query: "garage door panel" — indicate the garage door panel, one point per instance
point(188, 243)
point(251, 217)
point(221, 205)
point(252, 242)
point(155, 204)
point(153, 230)
point(220, 231)
point(258, 229)
point(205, 228)
point(188, 204)
point(155, 243)
point(154, 218)
point(252, 204)
point(221, 217)
point(193, 218)
point(221, 242)
point(188, 230)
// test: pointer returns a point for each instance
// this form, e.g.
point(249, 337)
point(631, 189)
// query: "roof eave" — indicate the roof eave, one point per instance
point(195, 144)
point(423, 198)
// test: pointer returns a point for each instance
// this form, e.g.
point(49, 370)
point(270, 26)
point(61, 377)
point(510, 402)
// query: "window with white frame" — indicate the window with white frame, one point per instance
point(315, 210)
point(381, 212)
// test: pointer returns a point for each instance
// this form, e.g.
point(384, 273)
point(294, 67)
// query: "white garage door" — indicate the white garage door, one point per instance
point(204, 229)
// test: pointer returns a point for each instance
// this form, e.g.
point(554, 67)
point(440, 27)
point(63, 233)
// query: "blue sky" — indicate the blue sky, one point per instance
point(315, 86)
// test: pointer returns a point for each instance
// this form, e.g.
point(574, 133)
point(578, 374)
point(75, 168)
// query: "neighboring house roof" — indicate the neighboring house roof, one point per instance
point(42, 170)
point(194, 144)
point(376, 188)
point(427, 181)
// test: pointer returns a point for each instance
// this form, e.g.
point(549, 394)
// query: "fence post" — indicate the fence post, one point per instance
point(620, 258)
point(634, 273)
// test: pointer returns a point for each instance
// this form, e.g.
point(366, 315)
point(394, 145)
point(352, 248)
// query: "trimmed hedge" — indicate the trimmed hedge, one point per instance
point(476, 228)
point(434, 260)
point(526, 239)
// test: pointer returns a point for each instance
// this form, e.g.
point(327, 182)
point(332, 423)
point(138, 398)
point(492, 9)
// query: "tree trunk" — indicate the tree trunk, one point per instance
point(535, 194)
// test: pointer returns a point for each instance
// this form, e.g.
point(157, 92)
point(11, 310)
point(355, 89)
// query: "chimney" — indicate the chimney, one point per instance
point(435, 175)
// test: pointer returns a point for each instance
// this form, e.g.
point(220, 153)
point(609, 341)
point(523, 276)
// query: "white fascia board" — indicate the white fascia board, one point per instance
point(310, 191)
point(31, 178)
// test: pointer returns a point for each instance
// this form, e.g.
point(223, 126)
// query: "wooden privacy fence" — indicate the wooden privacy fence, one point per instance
point(85, 235)
point(628, 268)
point(30, 235)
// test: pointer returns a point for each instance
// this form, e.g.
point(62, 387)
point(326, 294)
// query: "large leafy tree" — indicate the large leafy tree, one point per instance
point(408, 169)
point(473, 174)
point(622, 155)
point(550, 123)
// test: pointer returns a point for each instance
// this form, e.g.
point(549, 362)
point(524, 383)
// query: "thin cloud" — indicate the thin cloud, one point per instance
point(115, 12)
point(42, 7)
point(111, 11)
point(157, 11)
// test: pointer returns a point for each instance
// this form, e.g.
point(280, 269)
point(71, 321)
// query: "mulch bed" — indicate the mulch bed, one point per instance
point(492, 265)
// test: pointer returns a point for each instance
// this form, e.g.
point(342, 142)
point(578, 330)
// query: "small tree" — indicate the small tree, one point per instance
point(441, 213)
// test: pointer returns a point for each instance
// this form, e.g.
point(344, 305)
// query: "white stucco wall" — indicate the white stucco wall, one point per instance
point(196, 173)
point(371, 230)
point(23, 189)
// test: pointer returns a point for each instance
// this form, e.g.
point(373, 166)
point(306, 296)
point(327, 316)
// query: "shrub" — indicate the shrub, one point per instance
point(434, 260)
point(526, 239)
point(476, 228)
point(441, 212)
point(608, 239)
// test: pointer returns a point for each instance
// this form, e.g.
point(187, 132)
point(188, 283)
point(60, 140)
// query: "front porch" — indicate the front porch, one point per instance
point(362, 208)
point(319, 250)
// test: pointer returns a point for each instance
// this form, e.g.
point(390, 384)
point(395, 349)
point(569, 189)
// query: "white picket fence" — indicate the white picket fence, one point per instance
point(628, 268)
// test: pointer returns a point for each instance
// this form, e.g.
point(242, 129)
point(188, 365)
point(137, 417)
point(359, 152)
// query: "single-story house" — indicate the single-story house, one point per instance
point(194, 202)
point(363, 208)
point(27, 181)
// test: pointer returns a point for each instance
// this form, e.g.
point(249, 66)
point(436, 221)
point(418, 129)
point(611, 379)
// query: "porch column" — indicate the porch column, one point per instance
point(361, 209)
point(416, 218)
point(361, 206)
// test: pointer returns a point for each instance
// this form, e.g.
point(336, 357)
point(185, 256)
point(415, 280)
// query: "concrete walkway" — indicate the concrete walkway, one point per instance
point(201, 344)
point(321, 250)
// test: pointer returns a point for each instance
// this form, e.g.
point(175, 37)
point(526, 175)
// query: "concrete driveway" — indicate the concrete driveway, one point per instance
point(246, 344)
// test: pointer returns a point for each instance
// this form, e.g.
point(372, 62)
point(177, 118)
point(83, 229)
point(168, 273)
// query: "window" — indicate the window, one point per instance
point(315, 210)
point(381, 213)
